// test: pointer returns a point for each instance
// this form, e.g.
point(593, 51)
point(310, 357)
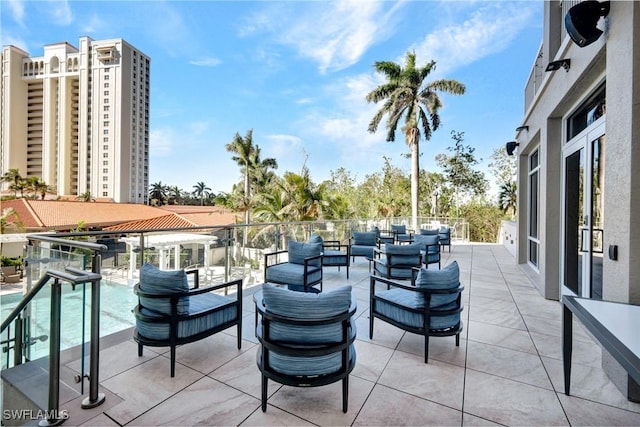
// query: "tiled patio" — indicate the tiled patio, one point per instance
point(507, 370)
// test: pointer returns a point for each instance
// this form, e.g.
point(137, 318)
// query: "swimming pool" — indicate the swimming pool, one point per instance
point(116, 303)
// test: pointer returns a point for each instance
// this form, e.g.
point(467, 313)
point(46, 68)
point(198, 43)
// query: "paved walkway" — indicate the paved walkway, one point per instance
point(507, 370)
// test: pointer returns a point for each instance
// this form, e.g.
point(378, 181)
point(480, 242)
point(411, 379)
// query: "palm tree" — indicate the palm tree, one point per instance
point(405, 93)
point(201, 191)
point(158, 192)
point(174, 195)
point(86, 197)
point(13, 178)
point(260, 170)
point(508, 197)
point(243, 149)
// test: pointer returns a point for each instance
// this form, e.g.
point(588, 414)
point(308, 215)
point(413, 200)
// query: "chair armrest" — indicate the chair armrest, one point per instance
point(389, 282)
point(377, 252)
point(190, 292)
point(196, 277)
point(269, 257)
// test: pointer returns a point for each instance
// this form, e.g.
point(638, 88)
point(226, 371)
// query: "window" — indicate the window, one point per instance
point(105, 178)
point(105, 124)
point(105, 163)
point(105, 155)
point(590, 111)
point(106, 131)
point(105, 108)
point(105, 147)
point(105, 194)
point(106, 116)
point(105, 170)
point(106, 85)
point(106, 100)
point(106, 76)
point(534, 208)
point(106, 93)
point(105, 139)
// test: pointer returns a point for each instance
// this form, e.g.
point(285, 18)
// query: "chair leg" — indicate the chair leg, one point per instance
point(173, 361)
point(426, 348)
point(264, 393)
point(371, 316)
point(457, 340)
point(345, 394)
point(240, 333)
point(347, 272)
point(140, 350)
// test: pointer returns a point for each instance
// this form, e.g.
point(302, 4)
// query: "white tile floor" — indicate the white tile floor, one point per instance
point(507, 370)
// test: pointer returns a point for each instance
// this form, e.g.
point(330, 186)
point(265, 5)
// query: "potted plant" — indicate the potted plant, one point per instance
point(10, 265)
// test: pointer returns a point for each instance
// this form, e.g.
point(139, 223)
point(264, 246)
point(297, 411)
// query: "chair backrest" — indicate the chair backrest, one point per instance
point(364, 238)
point(399, 229)
point(429, 243)
point(444, 233)
point(402, 255)
point(316, 238)
point(446, 279)
point(425, 232)
point(298, 251)
point(163, 282)
point(306, 333)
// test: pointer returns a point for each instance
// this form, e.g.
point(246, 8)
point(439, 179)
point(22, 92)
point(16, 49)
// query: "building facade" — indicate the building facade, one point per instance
point(578, 162)
point(78, 118)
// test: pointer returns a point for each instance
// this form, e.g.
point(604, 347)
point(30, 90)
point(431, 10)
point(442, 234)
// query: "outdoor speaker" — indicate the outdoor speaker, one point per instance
point(510, 147)
point(582, 19)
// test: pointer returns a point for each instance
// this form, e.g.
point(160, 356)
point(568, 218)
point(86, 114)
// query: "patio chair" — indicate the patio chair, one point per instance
point(362, 244)
point(301, 272)
point(430, 306)
point(401, 234)
point(445, 237)
point(306, 340)
point(383, 236)
point(170, 314)
point(429, 248)
point(396, 261)
point(334, 253)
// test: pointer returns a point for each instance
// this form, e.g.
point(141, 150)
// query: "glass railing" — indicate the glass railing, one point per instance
point(219, 253)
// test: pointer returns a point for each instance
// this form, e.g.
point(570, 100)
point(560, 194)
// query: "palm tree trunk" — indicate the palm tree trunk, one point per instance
point(415, 180)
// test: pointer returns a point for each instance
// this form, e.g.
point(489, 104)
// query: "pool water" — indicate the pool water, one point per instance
point(116, 303)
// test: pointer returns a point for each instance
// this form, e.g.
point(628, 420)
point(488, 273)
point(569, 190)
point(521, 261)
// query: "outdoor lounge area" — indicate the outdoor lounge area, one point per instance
point(506, 371)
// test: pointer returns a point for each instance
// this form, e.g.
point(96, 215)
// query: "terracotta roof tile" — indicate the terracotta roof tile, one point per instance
point(65, 215)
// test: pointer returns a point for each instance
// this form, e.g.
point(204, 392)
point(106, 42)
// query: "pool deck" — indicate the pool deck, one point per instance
point(507, 370)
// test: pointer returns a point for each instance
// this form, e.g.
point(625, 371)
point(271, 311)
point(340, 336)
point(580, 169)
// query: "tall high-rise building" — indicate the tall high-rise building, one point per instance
point(78, 118)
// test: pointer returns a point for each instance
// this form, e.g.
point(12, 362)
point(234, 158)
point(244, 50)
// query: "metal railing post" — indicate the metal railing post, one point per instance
point(52, 418)
point(95, 398)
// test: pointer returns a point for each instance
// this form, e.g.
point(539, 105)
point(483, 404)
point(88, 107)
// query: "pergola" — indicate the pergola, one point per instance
point(164, 243)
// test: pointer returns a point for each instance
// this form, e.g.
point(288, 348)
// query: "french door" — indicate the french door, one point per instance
point(583, 213)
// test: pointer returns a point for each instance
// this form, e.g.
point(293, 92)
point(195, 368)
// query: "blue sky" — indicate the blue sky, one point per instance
point(297, 73)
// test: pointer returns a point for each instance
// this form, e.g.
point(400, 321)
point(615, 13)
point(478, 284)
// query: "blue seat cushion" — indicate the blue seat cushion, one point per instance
point(446, 278)
point(403, 254)
point(425, 239)
point(362, 250)
point(398, 273)
point(332, 257)
point(366, 238)
point(407, 299)
point(163, 282)
point(310, 365)
point(298, 251)
point(424, 232)
point(193, 325)
point(316, 238)
point(292, 274)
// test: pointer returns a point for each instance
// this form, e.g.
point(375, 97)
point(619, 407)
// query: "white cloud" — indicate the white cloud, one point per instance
point(94, 24)
point(161, 142)
point(206, 62)
point(333, 34)
point(489, 30)
point(16, 8)
point(60, 12)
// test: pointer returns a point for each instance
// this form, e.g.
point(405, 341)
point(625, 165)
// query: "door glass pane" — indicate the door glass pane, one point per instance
point(574, 214)
point(597, 215)
point(533, 205)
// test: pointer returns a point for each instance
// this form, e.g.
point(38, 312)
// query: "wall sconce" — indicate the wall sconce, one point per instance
point(525, 127)
point(511, 147)
point(582, 19)
point(560, 63)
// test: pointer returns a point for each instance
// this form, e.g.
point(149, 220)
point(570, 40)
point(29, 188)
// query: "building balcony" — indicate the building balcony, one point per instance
point(507, 369)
